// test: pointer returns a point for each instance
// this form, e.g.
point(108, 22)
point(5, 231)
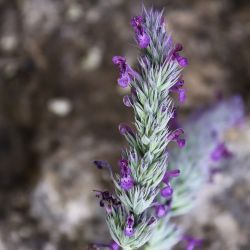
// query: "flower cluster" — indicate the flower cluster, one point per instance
point(143, 191)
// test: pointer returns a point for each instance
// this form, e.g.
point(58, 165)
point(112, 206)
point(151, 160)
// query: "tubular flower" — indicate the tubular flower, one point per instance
point(141, 36)
point(178, 88)
point(126, 73)
point(126, 181)
point(129, 230)
point(183, 62)
point(175, 136)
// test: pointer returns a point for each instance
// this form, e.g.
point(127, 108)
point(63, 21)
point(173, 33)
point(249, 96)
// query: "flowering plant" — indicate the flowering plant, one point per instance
point(149, 190)
point(134, 209)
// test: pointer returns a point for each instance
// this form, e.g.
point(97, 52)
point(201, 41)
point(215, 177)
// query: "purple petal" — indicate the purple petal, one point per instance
point(129, 231)
point(181, 143)
point(125, 129)
point(178, 47)
point(114, 246)
point(124, 80)
point(182, 95)
point(143, 40)
point(160, 211)
point(137, 21)
point(127, 100)
point(125, 170)
point(170, 174)
point(117, 60)
point(192, 242)
point(220, 152)
point(126, 182)
point(176, 134)
point(183, 62)
point(167, 192)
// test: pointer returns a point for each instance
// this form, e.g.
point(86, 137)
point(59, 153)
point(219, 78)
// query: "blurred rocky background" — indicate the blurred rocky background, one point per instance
point(60, 107)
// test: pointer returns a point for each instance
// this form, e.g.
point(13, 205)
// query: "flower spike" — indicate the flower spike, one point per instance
point(144, 177)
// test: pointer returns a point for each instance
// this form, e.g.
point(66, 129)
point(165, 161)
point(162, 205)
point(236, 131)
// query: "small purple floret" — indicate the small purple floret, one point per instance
point(181, 143)
point(141, 36)
point(182, 95)
point(125, 129)
point(129, 230)
point(126, 73)
point(127, 100)
point(182, 61)
point(143, 40)
point(220, 152)
point(178, 88)
point(160, 210)
point(107, 200)
point(175, 136)
point(123, 164)
point(167, 191)
point(114, 246)
point(170, 174)
point(192, 242)
point(126, 181)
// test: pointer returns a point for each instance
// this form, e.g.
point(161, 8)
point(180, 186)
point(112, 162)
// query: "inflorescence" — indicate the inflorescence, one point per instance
point(143, 189)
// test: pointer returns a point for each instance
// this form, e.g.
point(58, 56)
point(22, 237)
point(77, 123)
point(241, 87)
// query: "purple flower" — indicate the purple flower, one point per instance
point(178, 88)
point(123, 164)
point(126, 73)
point(161, 210)
point(220, 152)
point(175, 136)
point(170, 174)
point(167, 191)
point(141, 36)
point(125, 129)
point(126, 181)
point(127, 100)
point(181, 143)
point(192, 243)
point(129, 230)
point(107, 200)
point(182, 61)
point(114, 246)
